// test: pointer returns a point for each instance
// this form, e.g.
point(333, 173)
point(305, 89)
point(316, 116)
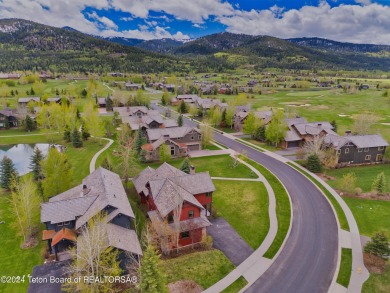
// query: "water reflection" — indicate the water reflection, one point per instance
point(20, 154)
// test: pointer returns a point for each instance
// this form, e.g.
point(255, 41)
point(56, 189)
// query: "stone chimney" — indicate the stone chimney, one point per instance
point(348, 132)
point(192, 170)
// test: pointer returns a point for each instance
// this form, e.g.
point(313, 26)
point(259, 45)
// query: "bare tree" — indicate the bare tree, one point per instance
point(362, 123)
point(207, 134)
point(93, 257)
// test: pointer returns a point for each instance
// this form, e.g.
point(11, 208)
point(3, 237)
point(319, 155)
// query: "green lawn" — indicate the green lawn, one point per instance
point(283, 209)
point(205, 267)
point(371, 215)
point(36, 137)
point(245, 206)
point(261, 144)
point(14, 260)
point(365, 175)
point(345, 267)
point(378, 283)
point(339, 211)
point(236, 286)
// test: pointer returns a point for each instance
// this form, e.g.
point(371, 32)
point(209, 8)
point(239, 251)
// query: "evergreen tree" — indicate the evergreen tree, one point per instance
point(35, 164)
point(7, 172)
point(183, 107)
point(140, 140)
point(379, 245)
point(180, 120)
point(186, 166)
point(29, 124)
point(76, 140)
point(152, 277)
point(380, 183)
point(142, 156)
point(109, 104)
point(314, 164)
point(32, 92)
point(84, 132)
point(223, 119)
point(84, 93)
point(57, 92)
point(260, 133)
point(67, 136)
point(77, 114)
point(16, 92)
point(334, 124)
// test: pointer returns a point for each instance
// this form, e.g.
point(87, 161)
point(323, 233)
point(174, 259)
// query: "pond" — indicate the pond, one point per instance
point(20, 154)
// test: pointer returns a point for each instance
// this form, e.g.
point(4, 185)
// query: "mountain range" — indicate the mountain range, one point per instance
point(26, 45)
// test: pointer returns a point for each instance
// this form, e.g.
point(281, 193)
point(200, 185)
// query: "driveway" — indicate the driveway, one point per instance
point(228, 241)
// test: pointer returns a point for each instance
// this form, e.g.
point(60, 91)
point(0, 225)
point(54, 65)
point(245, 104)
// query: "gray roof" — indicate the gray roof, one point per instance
point(292, 135)
point(193, 98)
point(314, 128)
point(130, 111)
point(298, 120)
point(9, 113)
point(169, 185)
point(101, 100)
point(368, 141)
point(172, 132)
point(28, 99)
point(65, 210)
point(124, 239)
point(104, 186)
point(54, 99)
point(360, 141)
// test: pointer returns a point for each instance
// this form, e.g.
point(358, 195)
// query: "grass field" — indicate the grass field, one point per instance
point(378, 283)
point(371, 215)
point(365, 175)
point(236, 286)
point(245, 206)
point(345, 267)
point(14, 260)
point(205, 267)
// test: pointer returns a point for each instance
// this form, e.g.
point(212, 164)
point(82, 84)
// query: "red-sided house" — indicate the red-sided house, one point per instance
point(178, 204)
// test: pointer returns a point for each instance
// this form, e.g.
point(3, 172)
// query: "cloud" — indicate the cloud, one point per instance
point(197, 25)
point(196, 11)
point(145, 33)
point(103, 21)
point(126, 18)
point(351, 23)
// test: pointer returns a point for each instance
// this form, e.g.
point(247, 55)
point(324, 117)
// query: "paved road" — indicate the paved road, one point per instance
point(308, 261)
point(226, 239)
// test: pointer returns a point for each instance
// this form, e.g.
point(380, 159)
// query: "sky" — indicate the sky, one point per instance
point(356, 21)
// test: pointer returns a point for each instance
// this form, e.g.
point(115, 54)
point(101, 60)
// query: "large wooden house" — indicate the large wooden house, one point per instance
point(357, 149)
point(8, 118)
point(178, 204)
point(102, 191)
point(180, 140)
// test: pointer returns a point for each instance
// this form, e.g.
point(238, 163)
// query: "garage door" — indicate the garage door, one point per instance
point(194, 147)
point(293, 144)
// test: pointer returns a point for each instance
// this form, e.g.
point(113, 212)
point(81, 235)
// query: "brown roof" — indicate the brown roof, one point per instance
point(48, 234)
point(147, 147)
point(64, 233)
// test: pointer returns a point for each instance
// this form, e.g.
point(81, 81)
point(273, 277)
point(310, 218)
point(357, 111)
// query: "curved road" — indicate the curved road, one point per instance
point(308, 260)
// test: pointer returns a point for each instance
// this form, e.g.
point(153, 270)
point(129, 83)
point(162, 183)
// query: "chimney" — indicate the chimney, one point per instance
point(192, 170)
point(319, 124)
point(85, 190)
point(348, 133)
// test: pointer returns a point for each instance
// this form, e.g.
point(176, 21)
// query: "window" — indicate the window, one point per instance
point(170, 218)
point(208, 194)
point(360, 150)
point(338, 152)
point(192, 137)
point(66, 223)
point(381, 148)
point(368, 157)
point(190, 214)
point(185, 234)
point(366, 150)
point(60, 224)
point(172, 150)
point(379, 158)
point(347, 150)
point(199, 137)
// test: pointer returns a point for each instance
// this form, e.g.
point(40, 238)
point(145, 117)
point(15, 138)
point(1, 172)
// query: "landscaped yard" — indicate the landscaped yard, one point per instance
point(205, 267)
point(365, 175)
point(378, 283)
point(245, 206)
point(14, 260)
point(345, 267)
point(371, 215)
